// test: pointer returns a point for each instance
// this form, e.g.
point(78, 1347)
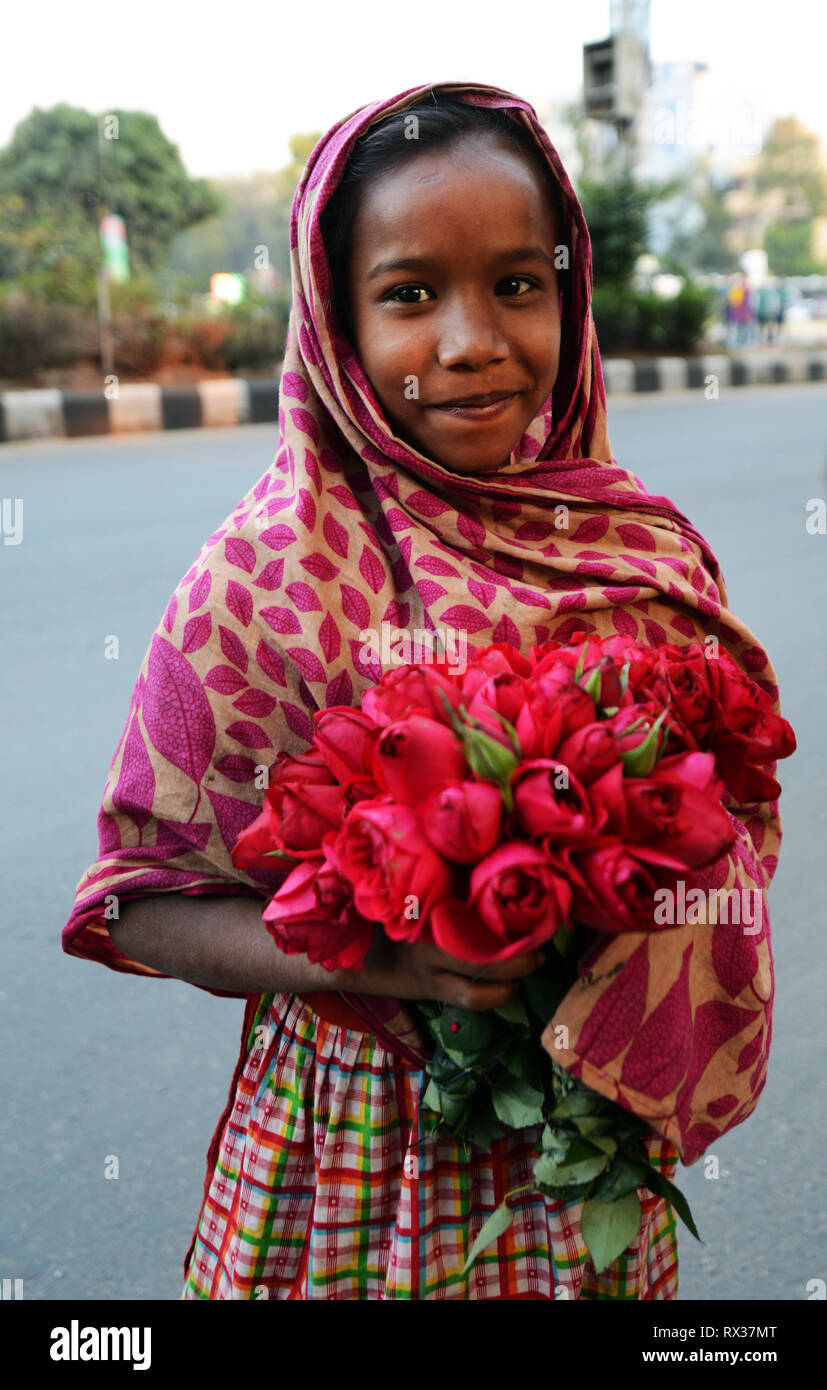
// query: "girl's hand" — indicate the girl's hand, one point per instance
point(415, 970)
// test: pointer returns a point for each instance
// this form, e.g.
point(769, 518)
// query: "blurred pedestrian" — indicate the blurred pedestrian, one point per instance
point(766, 311)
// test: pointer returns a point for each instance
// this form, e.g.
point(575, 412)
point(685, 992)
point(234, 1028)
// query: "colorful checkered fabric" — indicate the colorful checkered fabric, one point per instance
point(326, 1184)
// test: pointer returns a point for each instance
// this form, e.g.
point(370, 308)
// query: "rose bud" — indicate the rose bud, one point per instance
point(550, 802)
point(404, 690)
point(589, 751)
point(415, 756)
point(517, 900)
point(345, 738)
point(463, 820)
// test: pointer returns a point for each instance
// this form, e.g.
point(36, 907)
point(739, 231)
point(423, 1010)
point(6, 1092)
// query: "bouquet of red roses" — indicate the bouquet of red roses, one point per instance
point(525, 801)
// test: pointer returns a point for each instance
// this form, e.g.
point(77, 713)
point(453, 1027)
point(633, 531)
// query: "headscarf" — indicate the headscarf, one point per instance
point(351, 527)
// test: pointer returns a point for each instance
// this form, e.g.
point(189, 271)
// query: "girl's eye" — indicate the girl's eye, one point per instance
point(518, 280)
point(407, 289)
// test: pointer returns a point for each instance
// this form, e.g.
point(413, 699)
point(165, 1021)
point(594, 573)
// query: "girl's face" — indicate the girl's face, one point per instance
point(454, 294)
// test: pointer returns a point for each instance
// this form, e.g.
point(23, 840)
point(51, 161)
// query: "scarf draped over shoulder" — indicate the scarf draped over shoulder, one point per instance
point(351, 528)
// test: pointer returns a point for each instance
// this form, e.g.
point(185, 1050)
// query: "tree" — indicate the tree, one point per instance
point(256, 212)
point(790, 165)
point(57, 176)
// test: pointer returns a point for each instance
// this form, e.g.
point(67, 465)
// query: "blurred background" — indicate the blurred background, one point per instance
point(148, 157)
point(147, 169)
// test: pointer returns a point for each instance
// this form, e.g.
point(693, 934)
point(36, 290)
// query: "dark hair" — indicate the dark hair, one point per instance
point(441, 124)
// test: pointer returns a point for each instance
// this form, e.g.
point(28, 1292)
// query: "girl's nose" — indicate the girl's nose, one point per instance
point(470, 334)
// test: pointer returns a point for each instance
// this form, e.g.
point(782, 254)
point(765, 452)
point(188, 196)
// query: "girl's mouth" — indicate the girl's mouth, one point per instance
point(493, 411)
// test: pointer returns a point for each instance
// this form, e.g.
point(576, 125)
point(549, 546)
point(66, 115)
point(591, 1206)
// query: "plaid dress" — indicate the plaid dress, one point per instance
point(323, 1183)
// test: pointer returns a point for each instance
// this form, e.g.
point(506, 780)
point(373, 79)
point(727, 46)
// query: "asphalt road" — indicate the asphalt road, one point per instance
point(95, 1064)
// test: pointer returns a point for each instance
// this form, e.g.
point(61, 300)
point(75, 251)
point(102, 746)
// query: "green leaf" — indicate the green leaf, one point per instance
point(638, 762)
point(593, 684)
point(662, 1187)
point(474, 1032)
point(513, 1011)
point(496, 1226)
point(610, 1227)
point(488, 758)
point(517, 1103)
point(624, 1176)
point(578, 1103)
point(431, 1098)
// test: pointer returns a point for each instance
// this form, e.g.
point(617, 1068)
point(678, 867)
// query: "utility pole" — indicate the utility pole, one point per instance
point(107, 345)
point(616, 72)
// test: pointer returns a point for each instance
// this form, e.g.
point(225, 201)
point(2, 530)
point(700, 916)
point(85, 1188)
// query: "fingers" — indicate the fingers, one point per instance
point(468, 994)
point(513, 969)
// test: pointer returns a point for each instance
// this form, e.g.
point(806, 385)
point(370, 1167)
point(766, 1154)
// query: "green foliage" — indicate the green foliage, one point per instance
point(787, 245)
point(57, 177)
point(633, 321)
point(35, 333)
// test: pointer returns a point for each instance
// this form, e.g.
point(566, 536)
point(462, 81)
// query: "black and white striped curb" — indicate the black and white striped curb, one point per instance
point(53, 413)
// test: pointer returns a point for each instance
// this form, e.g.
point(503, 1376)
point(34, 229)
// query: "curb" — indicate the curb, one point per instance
point(54, 414)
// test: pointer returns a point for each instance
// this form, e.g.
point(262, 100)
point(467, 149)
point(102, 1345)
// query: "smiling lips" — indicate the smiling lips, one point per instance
point(487, 407)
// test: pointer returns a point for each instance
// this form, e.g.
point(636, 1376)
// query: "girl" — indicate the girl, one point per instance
point(443, 462)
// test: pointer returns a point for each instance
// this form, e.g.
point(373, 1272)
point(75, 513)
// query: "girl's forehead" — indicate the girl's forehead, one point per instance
point(466, 184)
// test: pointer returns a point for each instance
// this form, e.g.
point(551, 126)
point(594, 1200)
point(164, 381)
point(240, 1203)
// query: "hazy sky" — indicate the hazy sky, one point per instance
point(230, 83)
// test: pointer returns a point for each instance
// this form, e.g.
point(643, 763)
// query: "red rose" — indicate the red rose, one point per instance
point(410, 689)
point(415, 756)
point(463, 820)
point(500, 658)
point(679, 807)
point(550, 716)
point(516, 902)
point(309, 813)
point(397, 876)
point(505, 693)
point(345, 738)
point(550, 801)
point(589, 751)
point(614, 886)
point(313, 914)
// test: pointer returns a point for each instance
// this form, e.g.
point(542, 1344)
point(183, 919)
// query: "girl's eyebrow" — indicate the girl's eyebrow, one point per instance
point(516, 253)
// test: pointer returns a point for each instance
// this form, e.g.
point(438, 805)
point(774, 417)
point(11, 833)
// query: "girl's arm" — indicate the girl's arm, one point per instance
point(221, 942)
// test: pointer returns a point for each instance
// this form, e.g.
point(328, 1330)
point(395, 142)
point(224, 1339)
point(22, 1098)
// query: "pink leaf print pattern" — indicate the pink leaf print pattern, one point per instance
point(169, 616)
point(330, 639)
point(225, 679)
point(298, 721)
point(256, 702)
point(241, 553)
point(250, 734)
point(339, 691)
point(657, 1061)
point(236, 768)
point(271, 576)
point(280, 619)
point(371, 569)
point(464, 618)
point(592, 530)
point(617, 1015)
point(200, 591)
point(271, 663)
point(136, 784)
point(239, 602)
point(177, 713)
point(233, 648)
point(636, 537)
point(306, 509)
point(507, 631)
point(308, 663)
point(278, 537)
point(197, 633)
point(232, 816)
point(355, 606)
point(303, 597)
point(320, 567)
point(335, 535)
